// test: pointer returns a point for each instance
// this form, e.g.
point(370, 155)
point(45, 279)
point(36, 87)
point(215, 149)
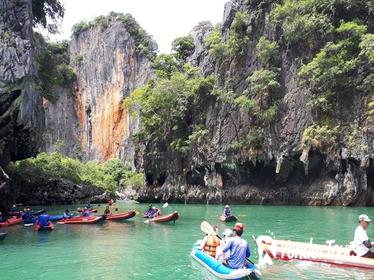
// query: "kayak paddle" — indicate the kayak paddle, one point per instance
point(208, 229)
point(165, 205)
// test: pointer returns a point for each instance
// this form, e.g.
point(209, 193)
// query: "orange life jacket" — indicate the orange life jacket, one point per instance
point(211, 245)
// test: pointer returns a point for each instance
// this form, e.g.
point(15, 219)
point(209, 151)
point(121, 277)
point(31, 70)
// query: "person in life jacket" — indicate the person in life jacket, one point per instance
point(149, 213)
point(67, 214)
point(43, 220)
point(27, 217)
point(227, 211)
point(156, 212)
point(107, 211)
point(86, 212)
point(210, 243)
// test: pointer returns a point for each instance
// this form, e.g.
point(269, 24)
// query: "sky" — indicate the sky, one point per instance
point(165, 20)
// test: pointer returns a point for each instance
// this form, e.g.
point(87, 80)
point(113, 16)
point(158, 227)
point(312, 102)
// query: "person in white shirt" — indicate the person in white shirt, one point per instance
point(361, 241)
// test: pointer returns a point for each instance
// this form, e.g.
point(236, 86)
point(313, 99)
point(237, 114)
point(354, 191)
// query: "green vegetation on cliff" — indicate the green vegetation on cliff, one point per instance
point(171, 107)
point(144, 43)
point(110, 176)
point(53, 67)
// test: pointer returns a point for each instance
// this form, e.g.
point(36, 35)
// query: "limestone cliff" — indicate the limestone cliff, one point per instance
point(21, 115)
point(108, 68)
point(273, 164)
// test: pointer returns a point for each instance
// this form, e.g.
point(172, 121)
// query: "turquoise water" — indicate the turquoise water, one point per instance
point(135, 250)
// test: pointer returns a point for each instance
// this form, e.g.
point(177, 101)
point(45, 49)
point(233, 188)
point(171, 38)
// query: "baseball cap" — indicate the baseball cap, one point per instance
point(239, 226)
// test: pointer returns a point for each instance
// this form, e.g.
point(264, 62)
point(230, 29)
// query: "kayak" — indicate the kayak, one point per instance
point(218, 269)
point(3, 235)
point(81, 220)
point(11, 221)
point(30, 222)
point(56, 218)
point(120, 216)
point(166, 218)
point(91, 210)
point(302, 251)
point(39, 227)
point(15, 213)
point(228, 219)
point(19, 213)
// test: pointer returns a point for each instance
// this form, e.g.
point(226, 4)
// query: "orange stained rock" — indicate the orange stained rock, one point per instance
point(109, 123)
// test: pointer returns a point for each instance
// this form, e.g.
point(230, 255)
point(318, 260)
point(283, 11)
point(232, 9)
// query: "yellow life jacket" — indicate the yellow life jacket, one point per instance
point(211, 245)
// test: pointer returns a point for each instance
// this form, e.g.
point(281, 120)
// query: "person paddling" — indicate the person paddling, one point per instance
point(156, 212)
point(361, 240)
point(238, 247)
point(86, 212)
point(210, 244)
point(227, 211)
point(107, 211)
point(152, 212)
point(43, 220)
point(28, 217)
point(67, 214)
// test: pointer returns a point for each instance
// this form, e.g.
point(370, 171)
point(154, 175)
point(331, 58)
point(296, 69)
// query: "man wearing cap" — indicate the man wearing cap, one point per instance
point(361, 240)
point(238, 247)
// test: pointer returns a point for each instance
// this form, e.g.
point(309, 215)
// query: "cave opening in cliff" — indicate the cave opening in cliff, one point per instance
point(195, 176)
point(161, 179)
point(149, 179)
point(316, 164)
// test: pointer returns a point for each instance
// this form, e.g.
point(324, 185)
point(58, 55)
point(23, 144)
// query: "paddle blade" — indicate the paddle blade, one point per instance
point(268, 260)
point(146, 221)
point(207, 228)
point(165, 205)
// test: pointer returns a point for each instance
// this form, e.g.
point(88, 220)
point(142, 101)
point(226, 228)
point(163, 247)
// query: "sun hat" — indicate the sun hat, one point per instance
point(364, 218)
point(227, 232)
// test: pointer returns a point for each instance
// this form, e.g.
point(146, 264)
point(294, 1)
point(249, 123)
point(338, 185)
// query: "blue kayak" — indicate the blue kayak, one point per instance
point(218, 269)
point(56, 218)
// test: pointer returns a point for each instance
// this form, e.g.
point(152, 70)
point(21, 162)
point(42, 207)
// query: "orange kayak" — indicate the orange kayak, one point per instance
point(166, 218)
point(121, 216)
point(81, 220)
point(11, 221)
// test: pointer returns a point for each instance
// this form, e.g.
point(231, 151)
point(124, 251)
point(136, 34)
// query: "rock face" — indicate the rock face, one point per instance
point(21, 115)
point(286, 173)
point(62, 128)
point(58, 191)
point(108, 69)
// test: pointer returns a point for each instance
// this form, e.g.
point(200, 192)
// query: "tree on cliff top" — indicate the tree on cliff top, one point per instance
point(44, 10)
